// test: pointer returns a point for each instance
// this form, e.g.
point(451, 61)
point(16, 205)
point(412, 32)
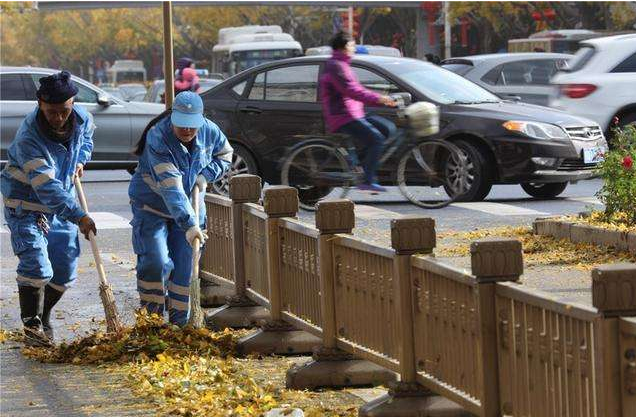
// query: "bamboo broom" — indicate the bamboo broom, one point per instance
point(113, 324)
point(196, 313)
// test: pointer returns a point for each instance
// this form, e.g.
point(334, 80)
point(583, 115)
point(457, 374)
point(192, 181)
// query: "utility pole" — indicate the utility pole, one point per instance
point(168, 69)
point(447, 31)
point(350, 11)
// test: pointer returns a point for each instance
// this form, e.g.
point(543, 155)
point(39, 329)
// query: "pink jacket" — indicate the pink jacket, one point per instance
point(343, 97)
point(188, 81)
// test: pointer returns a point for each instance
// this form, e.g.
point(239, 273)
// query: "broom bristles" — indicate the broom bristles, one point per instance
point(196, 312)
point(113, 324)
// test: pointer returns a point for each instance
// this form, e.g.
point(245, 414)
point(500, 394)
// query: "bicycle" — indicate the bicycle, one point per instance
point(431, 173)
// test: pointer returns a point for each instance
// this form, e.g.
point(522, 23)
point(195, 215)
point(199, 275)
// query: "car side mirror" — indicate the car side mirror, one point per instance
point(103, 100)
point(407, 98)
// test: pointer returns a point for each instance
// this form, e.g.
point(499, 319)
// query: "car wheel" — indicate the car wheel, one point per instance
point(242, 163)
point(544, 191)
point(479, 173)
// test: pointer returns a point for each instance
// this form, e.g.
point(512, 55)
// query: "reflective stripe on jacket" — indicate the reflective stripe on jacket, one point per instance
point(167, 172)
point(39, 172)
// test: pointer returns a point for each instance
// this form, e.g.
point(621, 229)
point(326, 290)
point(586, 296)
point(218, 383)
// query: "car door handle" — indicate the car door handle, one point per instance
point(251, 110)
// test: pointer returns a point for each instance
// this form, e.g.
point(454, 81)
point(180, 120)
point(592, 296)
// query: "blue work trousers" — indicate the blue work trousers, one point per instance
point(164, 265)
point(43, 258)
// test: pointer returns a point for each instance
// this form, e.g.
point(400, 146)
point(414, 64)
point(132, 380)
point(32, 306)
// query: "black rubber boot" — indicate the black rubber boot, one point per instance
point(30, 302)
point(51, 297)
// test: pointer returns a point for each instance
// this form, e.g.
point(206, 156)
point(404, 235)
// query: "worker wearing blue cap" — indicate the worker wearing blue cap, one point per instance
point(53, 144)
point(178, 149)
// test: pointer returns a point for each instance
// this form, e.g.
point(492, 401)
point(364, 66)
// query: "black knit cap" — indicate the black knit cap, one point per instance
point(57, 88)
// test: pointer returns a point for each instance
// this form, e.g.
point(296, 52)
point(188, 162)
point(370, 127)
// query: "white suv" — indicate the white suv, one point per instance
point(600, 83)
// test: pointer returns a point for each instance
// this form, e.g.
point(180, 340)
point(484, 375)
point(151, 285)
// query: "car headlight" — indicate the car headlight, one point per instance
point(536, 130)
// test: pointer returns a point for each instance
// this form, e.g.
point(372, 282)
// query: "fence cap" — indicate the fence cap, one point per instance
point(335, 216)
point(614, 289)
point(280, 201)
point(245, 188)
point(412, 234)
point(496, 259)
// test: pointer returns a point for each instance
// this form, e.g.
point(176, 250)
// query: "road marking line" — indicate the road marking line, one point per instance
point(588, 200)
point(499, 209)
point(106, 220)
point(363, 211)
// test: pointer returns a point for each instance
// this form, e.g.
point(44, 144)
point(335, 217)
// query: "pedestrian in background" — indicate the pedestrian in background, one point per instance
point(186, 78)
point(52, 145)
point(178, 149)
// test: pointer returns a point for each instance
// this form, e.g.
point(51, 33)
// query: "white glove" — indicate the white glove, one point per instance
point(194, 233)
point(202, 183)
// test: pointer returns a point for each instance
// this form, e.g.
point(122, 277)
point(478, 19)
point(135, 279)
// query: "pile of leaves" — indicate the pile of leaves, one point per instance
point(149, 337)
point(215, 387)
point(537, 249)
point(618, 192)
point(192, 372)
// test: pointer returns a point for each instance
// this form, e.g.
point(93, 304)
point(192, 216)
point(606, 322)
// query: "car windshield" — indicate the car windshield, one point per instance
point(438, 84)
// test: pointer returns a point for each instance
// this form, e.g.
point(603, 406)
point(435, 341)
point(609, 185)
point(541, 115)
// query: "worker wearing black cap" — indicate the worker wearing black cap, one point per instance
point(52, 145)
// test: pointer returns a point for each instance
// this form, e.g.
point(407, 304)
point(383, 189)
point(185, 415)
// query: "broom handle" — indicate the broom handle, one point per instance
point(195, 203)
point(91, 237)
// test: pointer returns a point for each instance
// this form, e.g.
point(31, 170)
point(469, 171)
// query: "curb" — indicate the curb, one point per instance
point(583, 233)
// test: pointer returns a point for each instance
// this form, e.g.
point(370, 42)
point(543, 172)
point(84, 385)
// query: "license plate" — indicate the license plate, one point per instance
point(593, 155)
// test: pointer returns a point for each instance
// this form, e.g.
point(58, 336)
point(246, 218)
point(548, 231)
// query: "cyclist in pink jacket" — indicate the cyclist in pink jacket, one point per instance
point(343, 99)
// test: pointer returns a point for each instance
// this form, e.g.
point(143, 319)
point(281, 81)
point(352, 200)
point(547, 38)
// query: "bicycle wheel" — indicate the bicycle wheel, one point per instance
point(318, 171)
point(432, 174)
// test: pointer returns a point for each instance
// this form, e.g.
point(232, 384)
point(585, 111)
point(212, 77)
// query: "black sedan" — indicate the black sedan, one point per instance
point(268, 109)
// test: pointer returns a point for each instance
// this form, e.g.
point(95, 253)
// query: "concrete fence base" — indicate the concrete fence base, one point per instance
point(237, 317)
point(406, 400)
point(338, 374)
point(278, 340)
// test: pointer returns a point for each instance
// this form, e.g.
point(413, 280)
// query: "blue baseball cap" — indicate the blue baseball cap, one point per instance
point(187, 110)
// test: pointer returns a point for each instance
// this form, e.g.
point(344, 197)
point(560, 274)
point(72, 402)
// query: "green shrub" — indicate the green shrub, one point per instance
point(618, 172)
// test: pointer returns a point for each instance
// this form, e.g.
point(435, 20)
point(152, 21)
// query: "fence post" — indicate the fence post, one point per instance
point(409, 235)
point(239, 311)
point(614, 295)
point(492, 261)
point(407, 398)
point(331, 218)
point(331, 366)
point(275, 336)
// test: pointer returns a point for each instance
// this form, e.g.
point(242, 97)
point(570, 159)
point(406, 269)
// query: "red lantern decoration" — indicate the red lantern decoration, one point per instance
point(549, 14)
point(431, 6)
point(536, 16)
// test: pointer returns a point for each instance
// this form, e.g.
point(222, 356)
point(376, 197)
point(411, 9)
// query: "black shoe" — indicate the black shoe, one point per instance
point(51, 297)
point(30, 302)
